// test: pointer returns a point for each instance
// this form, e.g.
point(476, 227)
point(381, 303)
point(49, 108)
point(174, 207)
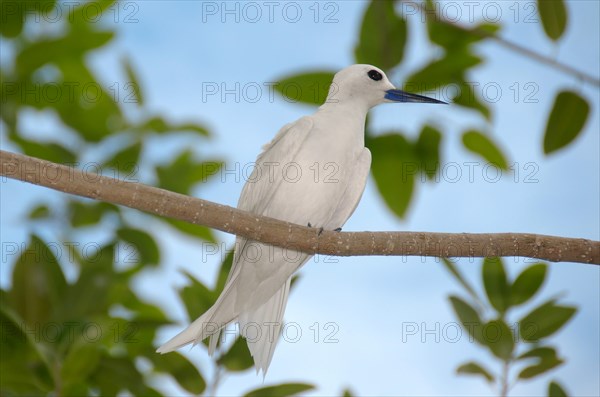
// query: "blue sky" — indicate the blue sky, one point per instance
point(394, 328)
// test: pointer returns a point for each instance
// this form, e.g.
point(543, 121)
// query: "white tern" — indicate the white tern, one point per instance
point(312, 173)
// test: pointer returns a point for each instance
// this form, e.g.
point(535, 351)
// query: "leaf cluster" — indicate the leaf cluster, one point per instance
point(72, 321)
point(519, 343)
point(382, 41)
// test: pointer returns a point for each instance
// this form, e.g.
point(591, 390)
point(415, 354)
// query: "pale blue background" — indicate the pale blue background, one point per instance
point(176, 47)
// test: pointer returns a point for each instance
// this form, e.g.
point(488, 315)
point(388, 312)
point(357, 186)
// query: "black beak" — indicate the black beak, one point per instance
point(407, 97)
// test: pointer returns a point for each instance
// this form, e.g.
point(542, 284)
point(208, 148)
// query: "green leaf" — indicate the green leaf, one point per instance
point(495, 283)
point(309, 87)
point(473, 368)
point(499, 338)
point(556, 390)
point(24, 369)
point(80, 362)
point(347, 393)
point(77, 388)
point(89, 294)
point(535, 370)
point(527, 284)
point(567, 118)
point(454, 37)
point(88, 213)
point(196, 297)
point(13, 16)
point(47, 151)
point(143, 243)
point(85, 19)
point(125, 161)
point(237, 358)
point(467, 97)
point(115, 374)
point(454, 271)
point(544, 320)
point(38, 283)
point(39, 212)
point(427, 149)
point(36, 54)
point(161, 126)
point(145, 314)
point(135, 336)
point(184, 372)
point(469, 318)
point(546, 360)
point(553, 14)
point(482, 145)
point(449, 70)
point(295, 279)
point(281, 390)
point(542, 353)
point(394, 169)
point(133, 82)
point(383, 35)
point(64, 49)
point(184, 172)
point(83, 104)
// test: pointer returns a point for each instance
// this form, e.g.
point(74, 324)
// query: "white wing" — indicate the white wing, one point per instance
point(267, 175)
point(354, 191)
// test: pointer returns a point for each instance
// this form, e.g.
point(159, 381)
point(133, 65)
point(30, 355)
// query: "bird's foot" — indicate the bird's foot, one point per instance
point(320, 229)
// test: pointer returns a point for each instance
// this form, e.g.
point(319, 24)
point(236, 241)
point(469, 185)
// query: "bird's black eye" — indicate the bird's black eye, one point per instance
point(374, 75)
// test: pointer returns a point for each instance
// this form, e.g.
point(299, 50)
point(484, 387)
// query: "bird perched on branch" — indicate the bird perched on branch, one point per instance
point(312, 173)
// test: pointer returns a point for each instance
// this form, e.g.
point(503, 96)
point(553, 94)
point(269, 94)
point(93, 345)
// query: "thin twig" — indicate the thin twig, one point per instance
point(518, 48)
point(504, 379)
point(539, 57)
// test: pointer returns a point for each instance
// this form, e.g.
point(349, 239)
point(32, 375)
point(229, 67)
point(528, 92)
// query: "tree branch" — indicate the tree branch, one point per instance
point(284, 234)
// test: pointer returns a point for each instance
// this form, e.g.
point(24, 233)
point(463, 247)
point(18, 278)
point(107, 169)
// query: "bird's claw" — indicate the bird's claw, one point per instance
point(320, 229)
point(339, 229)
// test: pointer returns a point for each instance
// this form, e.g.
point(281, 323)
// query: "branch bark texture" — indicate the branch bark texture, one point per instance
point(284, 234)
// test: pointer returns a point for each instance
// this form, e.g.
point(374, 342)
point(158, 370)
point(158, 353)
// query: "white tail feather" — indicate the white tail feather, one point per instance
point(269, 319)
point(191, 334)
point(261, 328)
point(209, 324)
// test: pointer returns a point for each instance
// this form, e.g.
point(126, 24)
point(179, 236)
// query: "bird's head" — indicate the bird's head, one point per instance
point(367, 85)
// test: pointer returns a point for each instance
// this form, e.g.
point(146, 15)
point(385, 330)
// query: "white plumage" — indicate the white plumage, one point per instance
point(313, 172)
